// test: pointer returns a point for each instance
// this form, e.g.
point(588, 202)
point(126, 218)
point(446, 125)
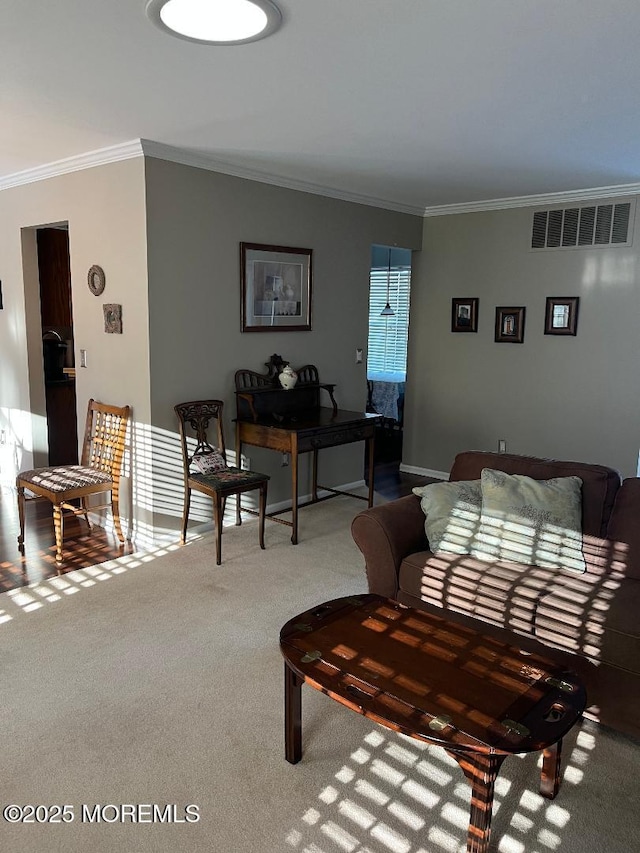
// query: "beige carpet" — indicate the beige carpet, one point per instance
point(159, 680)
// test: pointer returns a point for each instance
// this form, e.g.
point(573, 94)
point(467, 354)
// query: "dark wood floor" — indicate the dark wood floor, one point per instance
point(83, 548)
point(391, 483)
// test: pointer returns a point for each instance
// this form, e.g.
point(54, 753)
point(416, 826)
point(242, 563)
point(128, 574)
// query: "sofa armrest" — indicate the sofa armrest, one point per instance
point(386, 534)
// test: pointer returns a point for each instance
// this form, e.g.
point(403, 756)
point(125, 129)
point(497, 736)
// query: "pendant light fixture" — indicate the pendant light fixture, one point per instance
point(388, 311)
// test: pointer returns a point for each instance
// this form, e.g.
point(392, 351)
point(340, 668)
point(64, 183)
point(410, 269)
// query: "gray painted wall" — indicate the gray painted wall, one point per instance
point(196, 221)
point(563, 397)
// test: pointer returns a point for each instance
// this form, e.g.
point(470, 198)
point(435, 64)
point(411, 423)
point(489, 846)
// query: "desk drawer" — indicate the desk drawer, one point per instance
point(334, 437)
point(263, 436)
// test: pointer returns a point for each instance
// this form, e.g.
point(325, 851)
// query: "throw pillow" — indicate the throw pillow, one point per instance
point(210, 463)
point(537, 522)
point(452, 514)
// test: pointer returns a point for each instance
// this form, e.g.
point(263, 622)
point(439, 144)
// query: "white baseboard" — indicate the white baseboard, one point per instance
point(424, 472)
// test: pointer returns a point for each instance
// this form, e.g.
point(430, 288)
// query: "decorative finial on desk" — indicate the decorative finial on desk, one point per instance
point(275, 366)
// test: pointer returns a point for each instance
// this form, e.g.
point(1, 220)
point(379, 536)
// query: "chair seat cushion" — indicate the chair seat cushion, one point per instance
point(64, 477)
point(229, 477)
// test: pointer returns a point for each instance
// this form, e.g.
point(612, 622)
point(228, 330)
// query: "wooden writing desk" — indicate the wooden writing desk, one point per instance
point(294, 422)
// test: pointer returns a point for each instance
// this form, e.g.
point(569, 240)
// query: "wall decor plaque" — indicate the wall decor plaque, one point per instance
point(96, 280)
point(112, 319)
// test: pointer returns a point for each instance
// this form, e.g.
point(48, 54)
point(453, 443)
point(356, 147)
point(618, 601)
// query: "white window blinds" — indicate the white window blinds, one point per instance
point(387, 345)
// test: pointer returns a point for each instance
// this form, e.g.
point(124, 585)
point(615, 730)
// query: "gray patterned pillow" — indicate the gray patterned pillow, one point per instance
point(537, 522)
point(452, 514)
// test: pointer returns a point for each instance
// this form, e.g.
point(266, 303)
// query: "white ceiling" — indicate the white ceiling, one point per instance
point(417, 103)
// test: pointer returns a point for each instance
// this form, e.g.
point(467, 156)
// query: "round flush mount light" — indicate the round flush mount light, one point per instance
point(215, 21)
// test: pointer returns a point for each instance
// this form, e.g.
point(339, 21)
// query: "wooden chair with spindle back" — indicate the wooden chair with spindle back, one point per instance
point(98, 473)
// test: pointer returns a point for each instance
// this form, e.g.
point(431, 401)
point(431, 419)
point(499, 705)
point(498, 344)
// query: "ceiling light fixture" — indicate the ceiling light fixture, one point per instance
point(215, 21)
point(388, 311)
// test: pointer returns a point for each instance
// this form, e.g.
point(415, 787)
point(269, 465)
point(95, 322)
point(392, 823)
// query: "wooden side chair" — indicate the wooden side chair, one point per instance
point(206, 469)
point(98, 473)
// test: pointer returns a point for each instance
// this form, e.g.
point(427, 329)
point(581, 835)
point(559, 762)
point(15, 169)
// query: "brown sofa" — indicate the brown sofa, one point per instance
point(590, 622)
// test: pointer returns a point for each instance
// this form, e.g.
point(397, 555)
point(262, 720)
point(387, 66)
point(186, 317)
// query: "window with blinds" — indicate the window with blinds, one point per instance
point(387, 345)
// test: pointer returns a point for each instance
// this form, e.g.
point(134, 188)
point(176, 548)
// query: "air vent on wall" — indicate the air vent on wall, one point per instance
point(580, 227)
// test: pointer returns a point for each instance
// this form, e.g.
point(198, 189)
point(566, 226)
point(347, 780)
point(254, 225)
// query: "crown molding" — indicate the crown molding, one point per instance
point(534, 200)
point(202, 161)
point(148, 148)
point(112, 154)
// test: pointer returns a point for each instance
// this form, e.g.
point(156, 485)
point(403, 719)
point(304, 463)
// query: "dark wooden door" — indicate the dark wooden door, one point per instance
point(57, 343)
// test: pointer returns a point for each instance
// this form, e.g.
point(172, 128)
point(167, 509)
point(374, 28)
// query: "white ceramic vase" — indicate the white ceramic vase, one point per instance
point(288, 378)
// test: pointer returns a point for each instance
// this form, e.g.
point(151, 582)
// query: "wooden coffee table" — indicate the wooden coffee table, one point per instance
point(434, 680)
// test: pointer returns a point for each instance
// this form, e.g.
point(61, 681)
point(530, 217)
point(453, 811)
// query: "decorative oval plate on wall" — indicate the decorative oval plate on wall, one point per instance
point(96, 280)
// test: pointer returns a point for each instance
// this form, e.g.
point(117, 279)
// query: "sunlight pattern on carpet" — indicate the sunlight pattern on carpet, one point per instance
point(406, 796)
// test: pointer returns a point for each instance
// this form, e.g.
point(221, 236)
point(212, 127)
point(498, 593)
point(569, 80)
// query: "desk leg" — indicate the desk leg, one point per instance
point(481, 771)
point(292, 715)
point(371, 446)
point(314, 476)
point(294, 489)
point(238, 465)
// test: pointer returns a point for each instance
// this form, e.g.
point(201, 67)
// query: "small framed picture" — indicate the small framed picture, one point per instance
point(464, 314)
point(561, 315)
point(510, 325)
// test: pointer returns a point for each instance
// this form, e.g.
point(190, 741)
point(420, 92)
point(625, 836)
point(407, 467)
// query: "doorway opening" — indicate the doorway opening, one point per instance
point(389, 303)
point(56, 315)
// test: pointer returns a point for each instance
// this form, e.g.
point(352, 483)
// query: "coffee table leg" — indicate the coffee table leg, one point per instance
point(550, 776)
point(292, 715)
point(481, 771)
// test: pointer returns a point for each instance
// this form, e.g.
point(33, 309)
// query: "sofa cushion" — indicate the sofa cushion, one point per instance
point(599, 483)
point(503, 594)
point(596, 617)
point(534, 522)
point(452, 514)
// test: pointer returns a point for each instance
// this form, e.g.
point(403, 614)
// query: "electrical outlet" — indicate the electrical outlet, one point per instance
point(285, 460)
point(359, 355)
point(502, 445)
point(83, 358)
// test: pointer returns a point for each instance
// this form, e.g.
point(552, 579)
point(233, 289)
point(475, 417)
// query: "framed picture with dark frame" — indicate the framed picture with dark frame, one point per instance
point(510, 325)
point(464, 314)
point(561, 315)
point(276, 288)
